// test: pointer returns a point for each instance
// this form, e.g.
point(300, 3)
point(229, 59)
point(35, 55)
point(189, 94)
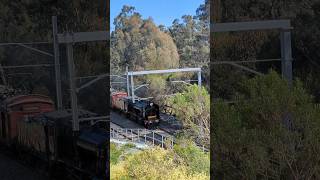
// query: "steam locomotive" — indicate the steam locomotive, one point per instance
point(30, 124)
point(142, 111)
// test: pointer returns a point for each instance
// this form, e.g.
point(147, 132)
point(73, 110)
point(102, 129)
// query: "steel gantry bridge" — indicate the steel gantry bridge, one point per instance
point(130, 76)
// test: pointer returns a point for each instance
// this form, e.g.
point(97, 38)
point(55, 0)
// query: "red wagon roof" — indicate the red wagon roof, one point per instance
point(119, 93)
point(25, 99)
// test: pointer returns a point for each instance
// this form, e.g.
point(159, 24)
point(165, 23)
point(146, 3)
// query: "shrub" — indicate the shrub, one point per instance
point(156, 163)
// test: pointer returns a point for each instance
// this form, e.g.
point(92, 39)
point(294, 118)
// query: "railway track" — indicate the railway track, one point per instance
point(148, 137)
point(122, 128)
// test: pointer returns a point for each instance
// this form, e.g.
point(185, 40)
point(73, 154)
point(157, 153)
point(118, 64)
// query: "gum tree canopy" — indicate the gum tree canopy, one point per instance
point(140, 44)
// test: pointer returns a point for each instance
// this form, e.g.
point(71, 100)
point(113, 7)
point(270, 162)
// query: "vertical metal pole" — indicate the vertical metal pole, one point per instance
point(153, 138)
point(162, 141)
point(286, 55)
point(132, 88)
point(216, 10)
point(145, 136)
point(171, 143)
point(74, 103)
point(112, 133)
point(117, 133)
point(199, 78)
point(3, 76)
point(57, 62)
point(128, 85)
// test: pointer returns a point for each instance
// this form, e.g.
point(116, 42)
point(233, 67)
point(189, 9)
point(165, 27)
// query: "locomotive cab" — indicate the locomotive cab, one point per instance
point(142, 111)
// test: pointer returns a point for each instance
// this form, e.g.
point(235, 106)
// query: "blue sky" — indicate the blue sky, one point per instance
point(162, 11)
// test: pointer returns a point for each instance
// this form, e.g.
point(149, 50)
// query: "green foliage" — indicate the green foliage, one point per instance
point(114, 153)
point(192, 39)
point(192, 156)
point(263, 45)
point(117, 151)
point(157, 86)
point(140, 44)
point(158, 163)
point(271, 132)
point(192, 107)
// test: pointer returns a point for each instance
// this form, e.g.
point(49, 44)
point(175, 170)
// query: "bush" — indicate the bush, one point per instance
point(116, 152)
point(271, 132)
point(158, 163)
point(193, 157)
point(192, 107)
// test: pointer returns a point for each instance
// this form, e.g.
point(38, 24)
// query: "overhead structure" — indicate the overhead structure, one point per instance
point(284, 26)
point(166, 71)
point(70, 39)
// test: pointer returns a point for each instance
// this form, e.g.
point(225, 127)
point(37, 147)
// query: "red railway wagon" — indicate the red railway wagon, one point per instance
point(15, 110)
point(117, 101)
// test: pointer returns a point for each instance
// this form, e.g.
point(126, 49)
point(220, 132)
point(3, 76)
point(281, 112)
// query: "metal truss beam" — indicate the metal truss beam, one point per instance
point(28, 66)
point(135, 73)
point(25, 43)
point(138, 73)
point(83, 37)
point(248, 61)
point(249, 26)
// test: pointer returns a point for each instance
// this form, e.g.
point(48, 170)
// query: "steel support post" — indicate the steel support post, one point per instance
point(145, 136)
point(3, 77)
point(199, 78)
point(57, 62)
point(132, 89)
point(153, 138)
point(286, 55)
point(128, 85)
point(132, 135)
point(162, 141)
point(73, 94)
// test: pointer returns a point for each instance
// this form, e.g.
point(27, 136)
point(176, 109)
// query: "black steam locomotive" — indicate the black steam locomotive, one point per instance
point(142, 111)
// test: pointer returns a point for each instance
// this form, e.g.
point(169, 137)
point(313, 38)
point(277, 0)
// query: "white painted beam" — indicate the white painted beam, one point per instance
point(134, 73)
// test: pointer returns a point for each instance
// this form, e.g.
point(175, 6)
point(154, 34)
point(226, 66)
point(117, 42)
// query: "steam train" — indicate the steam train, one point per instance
point(142, 111)
point(30, 124)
